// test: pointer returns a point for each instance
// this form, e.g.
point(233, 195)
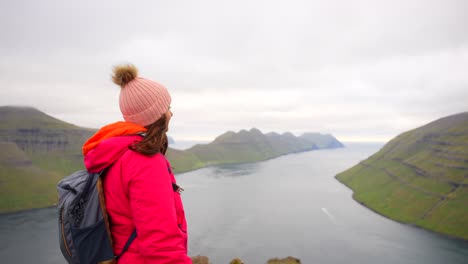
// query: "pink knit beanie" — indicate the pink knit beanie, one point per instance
point(141, 101)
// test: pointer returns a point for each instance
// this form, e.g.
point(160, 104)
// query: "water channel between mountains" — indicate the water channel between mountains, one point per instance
point(288, 206)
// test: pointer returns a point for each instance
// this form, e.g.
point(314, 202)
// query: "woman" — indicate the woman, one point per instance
point(140, 189)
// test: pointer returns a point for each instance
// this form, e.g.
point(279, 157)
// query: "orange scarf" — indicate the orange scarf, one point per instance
point(112, 130)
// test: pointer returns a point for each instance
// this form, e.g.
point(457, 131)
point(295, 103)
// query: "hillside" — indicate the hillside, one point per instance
point(420, 177)
point(38, 150)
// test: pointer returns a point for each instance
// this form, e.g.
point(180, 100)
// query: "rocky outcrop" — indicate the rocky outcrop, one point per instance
point(287, 260)
point(37, 140)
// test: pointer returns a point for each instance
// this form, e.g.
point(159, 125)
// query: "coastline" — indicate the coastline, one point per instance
point(240, 163)
point(27, 210)
point(461, 239)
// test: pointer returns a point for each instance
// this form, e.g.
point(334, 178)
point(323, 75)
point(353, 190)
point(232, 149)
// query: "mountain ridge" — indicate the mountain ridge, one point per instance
point(252, 145)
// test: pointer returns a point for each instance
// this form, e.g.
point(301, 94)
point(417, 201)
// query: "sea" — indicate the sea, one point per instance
point(287, 206)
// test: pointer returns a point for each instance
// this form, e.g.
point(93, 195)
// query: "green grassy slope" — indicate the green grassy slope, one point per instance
point(183, 161)
point(36, 152)
point(420, 177)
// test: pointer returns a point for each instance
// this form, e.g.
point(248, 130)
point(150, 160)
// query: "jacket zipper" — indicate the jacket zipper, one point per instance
point(63, 234)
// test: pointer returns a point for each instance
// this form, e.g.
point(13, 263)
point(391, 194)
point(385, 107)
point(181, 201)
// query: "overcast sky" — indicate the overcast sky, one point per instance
point(360, 70)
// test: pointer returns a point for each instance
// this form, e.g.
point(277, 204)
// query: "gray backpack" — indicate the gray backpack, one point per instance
point(84, 232)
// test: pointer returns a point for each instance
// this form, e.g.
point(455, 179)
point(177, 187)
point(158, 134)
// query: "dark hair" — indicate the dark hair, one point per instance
point(155, 140)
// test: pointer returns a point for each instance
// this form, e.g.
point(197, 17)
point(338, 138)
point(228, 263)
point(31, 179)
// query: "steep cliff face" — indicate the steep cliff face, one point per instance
point(35, 132)
point(420, 177)
point(37, 140)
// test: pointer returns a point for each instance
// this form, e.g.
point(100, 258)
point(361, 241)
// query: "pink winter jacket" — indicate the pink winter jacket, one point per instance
point(139, 194)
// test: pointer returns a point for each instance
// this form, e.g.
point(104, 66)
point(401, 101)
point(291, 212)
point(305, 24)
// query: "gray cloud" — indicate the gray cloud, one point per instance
point(360, 69)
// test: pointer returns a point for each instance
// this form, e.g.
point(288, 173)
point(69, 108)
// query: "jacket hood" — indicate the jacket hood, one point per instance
point(108, 144)
point(111, 130)
point(108, 152)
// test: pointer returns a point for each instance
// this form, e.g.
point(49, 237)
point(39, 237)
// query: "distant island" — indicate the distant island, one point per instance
point(247, 146)
point(419, 178)
point(39, 150)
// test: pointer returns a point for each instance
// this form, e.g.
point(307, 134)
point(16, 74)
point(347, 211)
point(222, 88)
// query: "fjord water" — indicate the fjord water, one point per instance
point(288, 206)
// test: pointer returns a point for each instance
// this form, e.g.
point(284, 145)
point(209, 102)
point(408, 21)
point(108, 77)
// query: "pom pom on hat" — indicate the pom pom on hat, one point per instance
point(124, 74)
point(141, 101)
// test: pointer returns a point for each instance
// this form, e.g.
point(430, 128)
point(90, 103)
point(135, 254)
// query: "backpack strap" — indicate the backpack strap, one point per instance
point(132, 236)
point(127, 245)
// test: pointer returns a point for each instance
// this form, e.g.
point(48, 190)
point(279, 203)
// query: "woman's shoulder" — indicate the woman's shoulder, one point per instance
point(136, 166)
point(158, 159)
